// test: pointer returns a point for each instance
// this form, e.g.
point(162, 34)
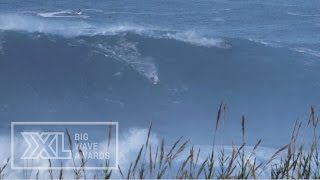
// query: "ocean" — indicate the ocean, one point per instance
point(167, 62)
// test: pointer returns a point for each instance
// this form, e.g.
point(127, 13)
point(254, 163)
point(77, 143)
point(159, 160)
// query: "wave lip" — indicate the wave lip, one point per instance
point(31, 24)
point(195, 39)
point(307, 51)
point(74, 28)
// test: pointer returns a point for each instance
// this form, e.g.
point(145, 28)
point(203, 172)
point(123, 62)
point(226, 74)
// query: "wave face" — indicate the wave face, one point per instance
point(134, 78)
point(170, 66)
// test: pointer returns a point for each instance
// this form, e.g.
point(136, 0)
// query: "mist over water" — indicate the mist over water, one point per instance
point(170, 63)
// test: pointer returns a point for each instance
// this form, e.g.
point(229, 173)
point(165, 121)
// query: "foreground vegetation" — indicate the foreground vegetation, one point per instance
point(292, 161)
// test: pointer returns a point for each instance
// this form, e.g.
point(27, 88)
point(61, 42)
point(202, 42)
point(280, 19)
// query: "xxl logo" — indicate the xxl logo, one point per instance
point(45, 145)
point(33, 143)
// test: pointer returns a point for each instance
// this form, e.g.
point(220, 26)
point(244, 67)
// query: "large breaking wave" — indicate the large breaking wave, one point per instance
point(57, 69)
point(120, 49)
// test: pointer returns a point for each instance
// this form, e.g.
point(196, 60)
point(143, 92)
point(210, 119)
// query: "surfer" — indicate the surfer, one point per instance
point(79, 12)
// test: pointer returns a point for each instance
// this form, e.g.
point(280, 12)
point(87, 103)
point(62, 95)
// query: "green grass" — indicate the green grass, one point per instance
point(291, 161)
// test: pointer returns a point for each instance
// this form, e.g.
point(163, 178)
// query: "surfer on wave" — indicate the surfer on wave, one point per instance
point(78, 12)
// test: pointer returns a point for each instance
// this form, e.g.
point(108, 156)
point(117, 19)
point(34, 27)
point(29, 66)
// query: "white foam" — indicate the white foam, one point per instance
point(130, 143)
point(78, 27)
point(62, 14)
point(307, 51)
point(66, 28)
point(270, 44)
point(27, 23)
point(127, 52)
point(194, 38)
point(121, 28)
point(1, 47)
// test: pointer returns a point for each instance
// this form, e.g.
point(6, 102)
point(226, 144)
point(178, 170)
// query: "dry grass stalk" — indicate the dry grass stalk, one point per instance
point(3, 168)
point(61, 171)
point(50, 170)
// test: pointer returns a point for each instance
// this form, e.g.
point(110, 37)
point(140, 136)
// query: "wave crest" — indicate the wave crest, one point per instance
point(80, 27)
point(195, 39)
point(307, 51)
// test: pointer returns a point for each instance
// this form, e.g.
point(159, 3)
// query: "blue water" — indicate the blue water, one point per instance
point(170, 62)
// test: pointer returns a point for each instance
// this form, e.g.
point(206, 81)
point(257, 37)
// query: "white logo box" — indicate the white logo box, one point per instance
point(34, 143)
